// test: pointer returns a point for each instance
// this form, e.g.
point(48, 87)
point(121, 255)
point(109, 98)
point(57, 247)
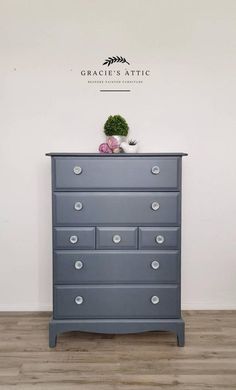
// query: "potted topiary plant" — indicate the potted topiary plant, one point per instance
point(117, 128)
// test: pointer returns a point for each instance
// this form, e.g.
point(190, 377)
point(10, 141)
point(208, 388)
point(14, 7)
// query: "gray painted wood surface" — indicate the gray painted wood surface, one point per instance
point(120, 173)
point(116, 290)
point(117, 208)
point(116, 267)
point(117, 301)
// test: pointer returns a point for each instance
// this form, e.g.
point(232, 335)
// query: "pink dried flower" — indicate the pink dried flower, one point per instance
point(116, 150)
point(104, 148)
point(112, 143)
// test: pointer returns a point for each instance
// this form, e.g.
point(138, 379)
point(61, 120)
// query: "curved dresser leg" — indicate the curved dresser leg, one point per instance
point(181, 336)
point(52, 335)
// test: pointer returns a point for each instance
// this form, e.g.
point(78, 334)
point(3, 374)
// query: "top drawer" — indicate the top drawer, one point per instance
point(123, 173)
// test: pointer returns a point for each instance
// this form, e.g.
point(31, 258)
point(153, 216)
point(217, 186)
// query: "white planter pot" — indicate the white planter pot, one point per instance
point(129, 148)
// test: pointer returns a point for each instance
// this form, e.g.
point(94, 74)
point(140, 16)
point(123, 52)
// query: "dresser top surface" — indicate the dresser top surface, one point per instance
point(112, 155)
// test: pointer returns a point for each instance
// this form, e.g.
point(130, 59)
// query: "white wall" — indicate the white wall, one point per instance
point(187, 105)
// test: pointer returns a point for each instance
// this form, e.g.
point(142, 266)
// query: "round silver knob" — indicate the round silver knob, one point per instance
point(78, 206)
point(73, 239)
point(116, 238)
point(155, 206)
point(77, 170)
point(155, 170)
point(155, 264)
point(155, 300)
point(79, 300)
point(160, 239)
point(79, 264)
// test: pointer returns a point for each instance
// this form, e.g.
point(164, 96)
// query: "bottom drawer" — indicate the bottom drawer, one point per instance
point(116, 301)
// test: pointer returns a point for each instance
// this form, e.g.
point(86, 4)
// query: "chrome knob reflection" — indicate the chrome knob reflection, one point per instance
point(155, 170)
point(155, 206)
point(116, 238)
point(74, 239)
point(78, 206)
point(160, 239)
point(79, 300)
point(155, 300)
point(155, 264)
point(77, 170)
point(79, 264)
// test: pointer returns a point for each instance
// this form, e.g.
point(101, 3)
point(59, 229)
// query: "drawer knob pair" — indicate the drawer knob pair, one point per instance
point(155, 264)
point(74, 239)
point(155, 170)
point(77, 170)
point(159, 239)
point(79, 300)
point(79, 264)
point(79, 205)
point(155, 300)
point(116, 238)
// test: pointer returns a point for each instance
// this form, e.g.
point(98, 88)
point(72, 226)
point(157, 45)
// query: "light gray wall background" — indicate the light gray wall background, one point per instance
point(188, 104)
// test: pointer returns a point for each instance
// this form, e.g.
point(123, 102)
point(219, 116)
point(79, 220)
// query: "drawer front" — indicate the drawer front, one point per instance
point(116, 301)
point(112, 208)
point(74, 238)
point(83, 267)
point(116, 173)
point(159, 238)
point(116, 238)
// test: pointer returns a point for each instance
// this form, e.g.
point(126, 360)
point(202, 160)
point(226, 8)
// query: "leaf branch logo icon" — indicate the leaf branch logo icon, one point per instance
point(111, 60)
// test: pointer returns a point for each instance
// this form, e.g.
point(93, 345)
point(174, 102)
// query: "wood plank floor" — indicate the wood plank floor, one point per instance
point(145, 361)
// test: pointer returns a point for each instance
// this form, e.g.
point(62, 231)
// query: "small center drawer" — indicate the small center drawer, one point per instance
point(116, 301)
point(116, 238)
point(84, 267)
point(118, 173)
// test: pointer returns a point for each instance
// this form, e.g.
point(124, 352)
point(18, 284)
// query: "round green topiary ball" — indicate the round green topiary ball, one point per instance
point(116, 125)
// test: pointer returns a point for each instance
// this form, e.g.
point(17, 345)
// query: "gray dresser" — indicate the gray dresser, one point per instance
point(116, 243)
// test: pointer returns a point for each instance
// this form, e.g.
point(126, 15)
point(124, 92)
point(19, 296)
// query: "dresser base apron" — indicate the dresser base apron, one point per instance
point(114, 326)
